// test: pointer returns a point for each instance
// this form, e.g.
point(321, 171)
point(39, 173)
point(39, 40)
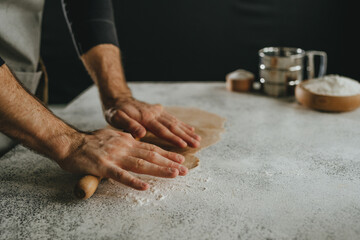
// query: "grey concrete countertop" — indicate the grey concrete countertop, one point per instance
point(280, 171)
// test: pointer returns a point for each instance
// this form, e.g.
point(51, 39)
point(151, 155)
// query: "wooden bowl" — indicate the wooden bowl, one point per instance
point(325, 102)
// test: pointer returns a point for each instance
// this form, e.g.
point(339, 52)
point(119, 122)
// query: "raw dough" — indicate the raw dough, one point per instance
point(208, 125)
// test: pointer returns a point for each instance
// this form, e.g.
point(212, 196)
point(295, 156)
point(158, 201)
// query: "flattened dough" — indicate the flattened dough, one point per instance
point(208, 125)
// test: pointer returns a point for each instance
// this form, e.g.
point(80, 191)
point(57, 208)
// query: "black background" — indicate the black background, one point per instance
point(203, 40)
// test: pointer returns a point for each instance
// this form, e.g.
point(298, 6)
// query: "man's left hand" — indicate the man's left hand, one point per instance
point(137, 117)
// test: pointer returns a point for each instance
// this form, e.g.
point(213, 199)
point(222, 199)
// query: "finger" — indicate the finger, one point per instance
point(156, 158)
point(161, 131)
point(169, 155)
point(126, 178)
point(131, 111)
point(191, 133)
point(141, 166)
point(122, 120)
point(174, 127)
point(172, 118)
point(187, 126)
point(184, 126)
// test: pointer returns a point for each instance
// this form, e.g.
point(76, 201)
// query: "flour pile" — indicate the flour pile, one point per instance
point(333, 85)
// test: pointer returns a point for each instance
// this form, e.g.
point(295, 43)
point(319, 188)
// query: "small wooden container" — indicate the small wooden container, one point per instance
point(240, 80)
point(326, 103)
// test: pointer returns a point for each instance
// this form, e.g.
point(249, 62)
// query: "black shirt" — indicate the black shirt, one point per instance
point(91, 22)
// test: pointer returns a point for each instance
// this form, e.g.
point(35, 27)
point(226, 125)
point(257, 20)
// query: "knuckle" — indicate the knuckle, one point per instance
point(102, 161)
point(118, 175)
point(152, 148)
point(133, 182)
point(147, 116)
point(151, 155)
point(173, 126)
point(174, 155)
point(173, 165)
point(139, 163)
point(128, 136)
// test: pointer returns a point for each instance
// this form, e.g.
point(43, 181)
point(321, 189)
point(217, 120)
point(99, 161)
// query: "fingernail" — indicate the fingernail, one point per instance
point(174, 170)
point(193, 140)
point(180, 158)
point(195, 143)
point(184, 144)
point(183, 169)
point(144, 185)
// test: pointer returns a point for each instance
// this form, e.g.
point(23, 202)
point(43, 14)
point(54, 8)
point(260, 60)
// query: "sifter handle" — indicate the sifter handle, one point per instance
point(311, 66)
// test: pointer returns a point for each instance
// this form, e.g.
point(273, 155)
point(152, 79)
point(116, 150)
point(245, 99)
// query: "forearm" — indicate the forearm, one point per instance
point(103, 62)
point(24, 118)
point(105, 153)
point(92, 26)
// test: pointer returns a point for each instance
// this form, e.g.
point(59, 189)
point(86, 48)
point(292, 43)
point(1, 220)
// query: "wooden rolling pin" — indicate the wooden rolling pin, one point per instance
point(87, 185)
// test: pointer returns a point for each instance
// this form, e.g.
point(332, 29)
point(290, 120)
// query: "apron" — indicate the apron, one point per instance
point(20, 33)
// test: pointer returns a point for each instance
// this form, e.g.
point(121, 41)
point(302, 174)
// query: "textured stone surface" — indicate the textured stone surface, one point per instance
point(280, 171)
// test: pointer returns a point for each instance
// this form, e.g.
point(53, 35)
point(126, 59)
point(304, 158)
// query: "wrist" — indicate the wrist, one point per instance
point(62, 145)
point(109, 101)
point(103, 63)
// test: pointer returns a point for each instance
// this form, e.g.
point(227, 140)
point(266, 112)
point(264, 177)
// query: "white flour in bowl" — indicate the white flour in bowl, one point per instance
point(333, 85)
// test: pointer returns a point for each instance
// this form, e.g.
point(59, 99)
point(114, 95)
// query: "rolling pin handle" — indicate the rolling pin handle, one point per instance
point(86, 186)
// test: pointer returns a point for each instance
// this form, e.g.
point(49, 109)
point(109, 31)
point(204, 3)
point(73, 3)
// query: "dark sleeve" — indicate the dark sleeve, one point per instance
point(91, 22)
point(1, 61)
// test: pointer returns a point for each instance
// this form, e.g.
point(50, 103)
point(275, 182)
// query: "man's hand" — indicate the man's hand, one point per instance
point(136, 117)
point(103, 63)
point(111, 154)
point(104, 153)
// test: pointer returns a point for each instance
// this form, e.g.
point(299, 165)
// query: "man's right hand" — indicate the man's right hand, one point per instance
point(111, 154)
point(104, 153)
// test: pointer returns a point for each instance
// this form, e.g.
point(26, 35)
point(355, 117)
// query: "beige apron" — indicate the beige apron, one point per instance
point(20, 32)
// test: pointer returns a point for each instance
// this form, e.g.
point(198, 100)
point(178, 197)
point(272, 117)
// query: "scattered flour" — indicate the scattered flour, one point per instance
point(333, 85)
point(160, 188)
